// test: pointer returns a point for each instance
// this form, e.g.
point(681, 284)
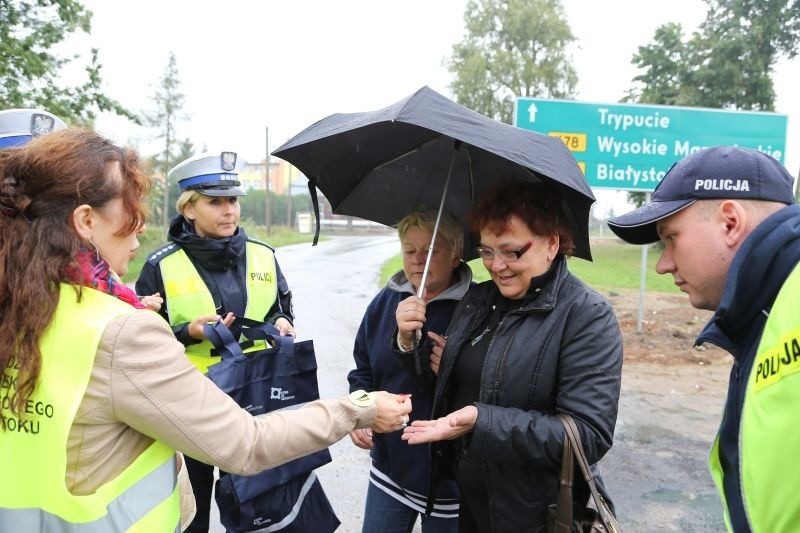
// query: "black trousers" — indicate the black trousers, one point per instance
point(202, 477)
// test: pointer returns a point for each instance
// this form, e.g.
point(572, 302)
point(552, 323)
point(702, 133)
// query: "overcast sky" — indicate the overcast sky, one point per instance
point(247, 65)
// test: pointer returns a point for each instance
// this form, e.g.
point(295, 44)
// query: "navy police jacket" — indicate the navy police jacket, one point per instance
point(221, 265)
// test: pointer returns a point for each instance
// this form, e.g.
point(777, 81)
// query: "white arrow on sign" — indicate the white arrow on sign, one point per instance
point(532, 112)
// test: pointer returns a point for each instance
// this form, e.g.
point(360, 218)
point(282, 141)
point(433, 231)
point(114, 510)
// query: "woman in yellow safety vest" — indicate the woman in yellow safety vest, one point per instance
point(212, 269)
point(96, 395)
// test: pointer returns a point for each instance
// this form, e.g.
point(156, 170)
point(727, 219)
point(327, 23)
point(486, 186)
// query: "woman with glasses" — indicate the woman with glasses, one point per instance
point(531, 343)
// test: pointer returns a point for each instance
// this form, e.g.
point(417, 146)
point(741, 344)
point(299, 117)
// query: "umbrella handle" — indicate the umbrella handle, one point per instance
point(456, 148)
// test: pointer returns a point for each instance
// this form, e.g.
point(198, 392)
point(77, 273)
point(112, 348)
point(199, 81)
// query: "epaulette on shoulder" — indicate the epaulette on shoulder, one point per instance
point(162, 252)
point(262, 243)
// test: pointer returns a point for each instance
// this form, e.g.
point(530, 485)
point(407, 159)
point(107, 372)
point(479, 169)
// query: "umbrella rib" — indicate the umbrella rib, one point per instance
point(471, 177)
point(407, 153)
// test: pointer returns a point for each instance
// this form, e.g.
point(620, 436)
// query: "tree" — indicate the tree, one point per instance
point(740, 42)
point(169, 107)
point(512, 48)
point(156, 199)
point(666, 63)
point(30, 74)
point(726, 64)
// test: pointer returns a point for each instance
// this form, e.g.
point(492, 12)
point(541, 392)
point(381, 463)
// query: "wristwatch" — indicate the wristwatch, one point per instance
point(362, 398)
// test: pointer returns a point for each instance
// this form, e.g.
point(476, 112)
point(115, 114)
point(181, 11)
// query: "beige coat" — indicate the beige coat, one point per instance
point(143, 387)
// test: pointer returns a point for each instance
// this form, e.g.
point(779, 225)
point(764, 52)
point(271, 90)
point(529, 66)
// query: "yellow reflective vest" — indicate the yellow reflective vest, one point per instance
point(769, 432)
point(187, 296)
point(33, 445)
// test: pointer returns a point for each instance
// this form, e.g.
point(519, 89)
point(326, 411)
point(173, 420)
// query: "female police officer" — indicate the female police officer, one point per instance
point(212, 269)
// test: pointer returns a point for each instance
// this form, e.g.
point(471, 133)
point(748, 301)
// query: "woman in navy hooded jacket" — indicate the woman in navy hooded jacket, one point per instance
point(399, 475)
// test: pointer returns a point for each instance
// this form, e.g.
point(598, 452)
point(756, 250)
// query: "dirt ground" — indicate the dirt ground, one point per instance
point(672, 396)
point(669, 327)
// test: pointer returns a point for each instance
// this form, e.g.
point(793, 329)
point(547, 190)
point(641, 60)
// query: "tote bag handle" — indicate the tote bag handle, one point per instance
point(223, 340)
point(228, 346)
point(253, 330)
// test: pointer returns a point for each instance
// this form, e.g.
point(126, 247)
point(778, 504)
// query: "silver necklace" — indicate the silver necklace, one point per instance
point(488, 328)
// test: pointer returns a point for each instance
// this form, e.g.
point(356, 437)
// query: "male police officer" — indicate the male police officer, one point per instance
point(18, 126)
point(732, 243)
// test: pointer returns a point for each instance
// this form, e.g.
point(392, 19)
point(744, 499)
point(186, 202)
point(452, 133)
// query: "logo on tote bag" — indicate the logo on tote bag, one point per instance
point(277, 393)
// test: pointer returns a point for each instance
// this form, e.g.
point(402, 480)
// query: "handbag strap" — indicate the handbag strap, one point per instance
point(574, 437)
point(564, 505)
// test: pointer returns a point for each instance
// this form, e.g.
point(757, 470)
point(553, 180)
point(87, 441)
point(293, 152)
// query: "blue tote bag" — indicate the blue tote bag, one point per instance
point(281, 375)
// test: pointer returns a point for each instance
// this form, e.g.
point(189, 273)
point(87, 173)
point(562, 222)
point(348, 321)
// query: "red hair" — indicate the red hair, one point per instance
point(536, 204)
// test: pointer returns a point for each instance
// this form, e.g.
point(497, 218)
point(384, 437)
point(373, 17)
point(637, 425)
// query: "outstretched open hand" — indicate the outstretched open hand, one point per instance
point(448, 427)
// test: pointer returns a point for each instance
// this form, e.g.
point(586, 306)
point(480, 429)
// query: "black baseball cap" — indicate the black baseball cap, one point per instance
point(719, 172)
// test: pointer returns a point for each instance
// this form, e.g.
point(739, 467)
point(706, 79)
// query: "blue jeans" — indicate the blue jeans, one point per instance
point(384, 514)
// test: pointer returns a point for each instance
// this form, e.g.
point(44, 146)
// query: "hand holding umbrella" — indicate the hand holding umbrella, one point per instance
point(410, 316)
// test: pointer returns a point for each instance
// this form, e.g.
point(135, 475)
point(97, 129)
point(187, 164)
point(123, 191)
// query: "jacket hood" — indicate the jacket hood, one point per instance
point(399, 283)
point(211, 254)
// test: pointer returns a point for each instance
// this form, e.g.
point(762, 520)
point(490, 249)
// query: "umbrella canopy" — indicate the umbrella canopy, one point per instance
point(381, 165)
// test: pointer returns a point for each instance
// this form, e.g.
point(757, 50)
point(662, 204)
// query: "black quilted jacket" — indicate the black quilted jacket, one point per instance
point(560, 352)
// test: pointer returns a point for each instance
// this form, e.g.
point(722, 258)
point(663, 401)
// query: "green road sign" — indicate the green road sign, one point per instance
point(631, 147)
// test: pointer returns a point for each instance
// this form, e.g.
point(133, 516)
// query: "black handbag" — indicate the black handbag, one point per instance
point(282, 374)
point(569, 515)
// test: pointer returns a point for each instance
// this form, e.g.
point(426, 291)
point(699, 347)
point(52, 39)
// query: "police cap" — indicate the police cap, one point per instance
point(210, 173)
point(18, 126)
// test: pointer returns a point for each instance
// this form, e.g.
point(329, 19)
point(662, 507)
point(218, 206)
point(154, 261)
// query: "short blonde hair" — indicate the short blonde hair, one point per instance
point(425, 218)
point(187, 197)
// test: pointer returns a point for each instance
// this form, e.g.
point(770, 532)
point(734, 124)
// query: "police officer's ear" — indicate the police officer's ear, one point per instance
point(732, 218)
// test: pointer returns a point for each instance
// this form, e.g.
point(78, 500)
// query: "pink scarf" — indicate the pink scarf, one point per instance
point(94, 272)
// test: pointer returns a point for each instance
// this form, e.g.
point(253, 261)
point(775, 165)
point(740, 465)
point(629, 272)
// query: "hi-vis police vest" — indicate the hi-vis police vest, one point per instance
point(33, 460)
point(188, 297)
point(769, 433)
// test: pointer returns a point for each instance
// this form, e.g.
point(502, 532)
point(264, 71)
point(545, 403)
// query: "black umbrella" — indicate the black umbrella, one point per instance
point(428, 150)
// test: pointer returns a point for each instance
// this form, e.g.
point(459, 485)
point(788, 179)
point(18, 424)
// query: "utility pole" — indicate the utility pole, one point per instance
point(289, 221)
point(167, 150)
point(266, 181)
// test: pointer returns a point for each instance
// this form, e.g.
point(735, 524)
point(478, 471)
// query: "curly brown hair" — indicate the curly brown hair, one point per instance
point(41, 184)
point(538, 205)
